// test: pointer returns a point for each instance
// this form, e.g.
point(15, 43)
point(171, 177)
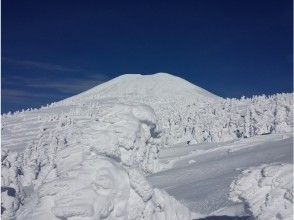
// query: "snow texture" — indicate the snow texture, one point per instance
point(12, 194)
point(267, 191)
point(100, 188)
point(93, 166)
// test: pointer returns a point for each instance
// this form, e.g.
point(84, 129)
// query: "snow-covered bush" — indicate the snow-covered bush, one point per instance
point(100, 188)
point(228, 119)
point(267, 191)
point(12, 194)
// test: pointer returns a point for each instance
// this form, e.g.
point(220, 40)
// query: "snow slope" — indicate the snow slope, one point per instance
point(201, 175)
point(159, 85)
point(99, 151)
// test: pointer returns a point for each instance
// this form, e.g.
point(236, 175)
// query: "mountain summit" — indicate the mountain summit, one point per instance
point(159, 85)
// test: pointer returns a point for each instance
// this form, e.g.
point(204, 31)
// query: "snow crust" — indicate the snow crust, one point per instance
point(267, 190)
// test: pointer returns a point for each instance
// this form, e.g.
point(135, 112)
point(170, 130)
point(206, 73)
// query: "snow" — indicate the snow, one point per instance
point(101, 188)
point(267, 190)
point(204, 186)
point(12, 194)
point(183, 116)
point(140, 184)
point(162, 85)
point(144, 147)
point(91, 165)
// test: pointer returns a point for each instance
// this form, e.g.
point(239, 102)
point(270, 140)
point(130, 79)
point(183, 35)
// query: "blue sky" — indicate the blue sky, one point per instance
point(54, 49)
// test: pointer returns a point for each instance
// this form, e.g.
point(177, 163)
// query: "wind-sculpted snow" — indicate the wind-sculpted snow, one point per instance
point(267, 191)
point(100, 188)
point(91, 165)
point(94, 188)
point(12, 194)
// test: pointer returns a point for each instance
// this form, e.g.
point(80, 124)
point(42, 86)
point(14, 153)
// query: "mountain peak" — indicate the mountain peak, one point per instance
point(159, 85)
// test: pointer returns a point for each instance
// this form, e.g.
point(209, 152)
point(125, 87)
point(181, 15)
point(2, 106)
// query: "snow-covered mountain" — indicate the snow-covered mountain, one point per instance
point(162, 86)
point(87, 157)
point(186, 112)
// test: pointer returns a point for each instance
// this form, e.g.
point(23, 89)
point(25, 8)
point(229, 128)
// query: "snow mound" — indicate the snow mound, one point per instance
point(267, 190)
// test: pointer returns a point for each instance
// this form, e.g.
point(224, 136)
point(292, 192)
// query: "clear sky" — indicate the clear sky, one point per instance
point(55, 49)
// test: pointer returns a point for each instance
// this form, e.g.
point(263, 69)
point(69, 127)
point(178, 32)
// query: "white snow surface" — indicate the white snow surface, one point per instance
point(267, 191)
point(143, 147)
point(160, 85)
point(205, 185)
point(100, 188)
